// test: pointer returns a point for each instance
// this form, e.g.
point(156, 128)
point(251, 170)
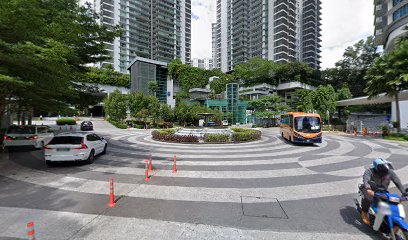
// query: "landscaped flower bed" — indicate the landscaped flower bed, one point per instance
point(167, 135)
point(236, 136)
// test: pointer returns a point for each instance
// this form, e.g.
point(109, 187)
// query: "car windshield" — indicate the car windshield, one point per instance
point(307, 124)
point(66, 140)
point(21, 130)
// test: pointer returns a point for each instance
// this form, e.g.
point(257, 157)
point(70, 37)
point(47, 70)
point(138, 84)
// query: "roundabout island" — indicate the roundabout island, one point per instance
point(207, 135)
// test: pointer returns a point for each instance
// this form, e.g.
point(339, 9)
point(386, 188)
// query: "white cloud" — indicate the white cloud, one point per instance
point(344, 22)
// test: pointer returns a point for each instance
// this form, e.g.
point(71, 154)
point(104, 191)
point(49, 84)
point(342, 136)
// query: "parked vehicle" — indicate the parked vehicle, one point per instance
point(386, 214)
point(75, 146)
point(299, 127)
point(86, 125)
point(35, 136)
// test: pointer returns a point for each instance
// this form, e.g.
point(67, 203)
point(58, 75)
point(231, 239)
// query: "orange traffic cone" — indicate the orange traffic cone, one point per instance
point(30, 231)
point(174, 164)
point(112, 195)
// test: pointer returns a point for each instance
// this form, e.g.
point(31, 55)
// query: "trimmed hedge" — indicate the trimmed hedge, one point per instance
point(245, 135)
point(66, 121)
point(167, 135)
point(217, 138)
point(117, 124)
point(398, 135)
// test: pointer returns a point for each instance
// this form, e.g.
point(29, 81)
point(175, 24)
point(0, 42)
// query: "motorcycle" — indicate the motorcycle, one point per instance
point(386, 214)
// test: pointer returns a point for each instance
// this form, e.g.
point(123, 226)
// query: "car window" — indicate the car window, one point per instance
point(96, 137)
point(66, 140)
point(21, 130)
point(90, 137)
point(42, 130)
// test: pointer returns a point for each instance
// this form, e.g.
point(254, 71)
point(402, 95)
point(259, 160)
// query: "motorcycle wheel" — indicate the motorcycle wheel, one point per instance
point(401, 234)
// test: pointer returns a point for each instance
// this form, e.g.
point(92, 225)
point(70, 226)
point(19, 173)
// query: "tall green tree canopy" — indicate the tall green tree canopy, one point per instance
point(389, 74)
point(106, 76)
point(269, 106)
point(352, 68)
point(258, 70)
point(44, 46)
point(189, 77)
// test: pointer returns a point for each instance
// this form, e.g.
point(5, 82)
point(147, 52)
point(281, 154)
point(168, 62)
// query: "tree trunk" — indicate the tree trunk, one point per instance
point(397, 107)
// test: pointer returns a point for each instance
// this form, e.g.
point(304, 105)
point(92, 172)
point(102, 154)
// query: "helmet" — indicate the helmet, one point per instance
point(381, 166)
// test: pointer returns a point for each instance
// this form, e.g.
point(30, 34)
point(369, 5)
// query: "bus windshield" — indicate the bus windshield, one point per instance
point(306, 124)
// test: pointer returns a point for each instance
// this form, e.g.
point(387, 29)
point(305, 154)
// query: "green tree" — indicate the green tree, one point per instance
point(44, 45)
point(269, 106)
point(343, 93)
point(304, 100)
point(106, 76)
point(166, 113)
point(153, 87)
point(116, 105)
point(389, 74)
point(352, 68)
point(153, 107)
point(325, 101)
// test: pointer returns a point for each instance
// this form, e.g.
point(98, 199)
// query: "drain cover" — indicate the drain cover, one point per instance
point(262, 207)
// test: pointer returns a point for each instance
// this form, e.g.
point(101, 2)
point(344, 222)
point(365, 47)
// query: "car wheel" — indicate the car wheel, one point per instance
point(49, 163)
point(104, 149)
point(91, 157)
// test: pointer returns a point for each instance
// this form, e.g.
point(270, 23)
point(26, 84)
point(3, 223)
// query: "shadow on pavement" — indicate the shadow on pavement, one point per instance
point(352, 217)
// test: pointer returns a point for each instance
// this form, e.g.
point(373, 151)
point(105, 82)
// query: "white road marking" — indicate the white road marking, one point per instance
point(327, 161)
point(343, 149)
point(217, 156)
point(64, 225)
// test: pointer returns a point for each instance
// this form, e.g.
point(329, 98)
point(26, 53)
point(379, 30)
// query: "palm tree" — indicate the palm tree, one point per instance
point(389, 75)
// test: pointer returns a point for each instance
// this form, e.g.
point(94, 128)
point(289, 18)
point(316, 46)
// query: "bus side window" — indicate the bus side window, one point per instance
point(290, 120)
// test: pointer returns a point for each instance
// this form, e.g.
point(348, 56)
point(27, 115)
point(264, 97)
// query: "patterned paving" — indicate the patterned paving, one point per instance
point(312, 186)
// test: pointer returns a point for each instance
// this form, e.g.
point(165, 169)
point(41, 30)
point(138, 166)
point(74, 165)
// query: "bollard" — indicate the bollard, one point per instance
point(30, 231)
point(174, 164)
point(112, 195)
point(150, 163)
point(147, 178)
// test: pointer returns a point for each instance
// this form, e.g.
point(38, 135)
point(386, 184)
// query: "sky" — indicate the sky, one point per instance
point(344, 22)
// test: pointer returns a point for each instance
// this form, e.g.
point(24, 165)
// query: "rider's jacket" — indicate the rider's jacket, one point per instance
point(381, 182)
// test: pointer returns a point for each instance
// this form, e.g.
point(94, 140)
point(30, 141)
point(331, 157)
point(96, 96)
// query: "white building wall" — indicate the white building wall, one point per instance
point(403, 113)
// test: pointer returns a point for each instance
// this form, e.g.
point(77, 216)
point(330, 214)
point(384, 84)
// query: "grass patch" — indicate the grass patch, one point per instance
point(402, 139)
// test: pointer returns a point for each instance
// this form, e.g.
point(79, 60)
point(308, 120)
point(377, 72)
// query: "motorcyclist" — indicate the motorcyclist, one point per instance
point(375, 178)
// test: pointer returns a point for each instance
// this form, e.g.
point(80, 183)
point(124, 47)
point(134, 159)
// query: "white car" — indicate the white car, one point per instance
point(74, 146)
point(35, 136)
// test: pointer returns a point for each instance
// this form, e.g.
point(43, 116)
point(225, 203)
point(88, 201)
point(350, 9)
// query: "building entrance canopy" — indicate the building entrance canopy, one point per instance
point(380, 99)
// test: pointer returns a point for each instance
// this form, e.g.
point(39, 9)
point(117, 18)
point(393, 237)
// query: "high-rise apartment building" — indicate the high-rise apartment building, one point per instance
point(279, 30)
point(205, 63)
point(155, 29)
point(391, 17)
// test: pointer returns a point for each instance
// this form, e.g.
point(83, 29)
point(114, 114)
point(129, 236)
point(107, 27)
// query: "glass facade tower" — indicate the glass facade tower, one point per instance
point(279, 30)
point(154, 29)
point(391, 17)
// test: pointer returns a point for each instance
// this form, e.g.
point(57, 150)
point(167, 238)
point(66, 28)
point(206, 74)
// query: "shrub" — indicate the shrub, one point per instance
point(167, 135)
point(385, 130)
point(397, 135)
point(245, 135)
point(66, 121)
point(118, 124)
point(217, 138)
point(406, 137)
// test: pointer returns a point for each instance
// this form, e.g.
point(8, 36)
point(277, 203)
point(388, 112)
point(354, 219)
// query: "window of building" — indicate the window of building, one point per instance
point(401, 12)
